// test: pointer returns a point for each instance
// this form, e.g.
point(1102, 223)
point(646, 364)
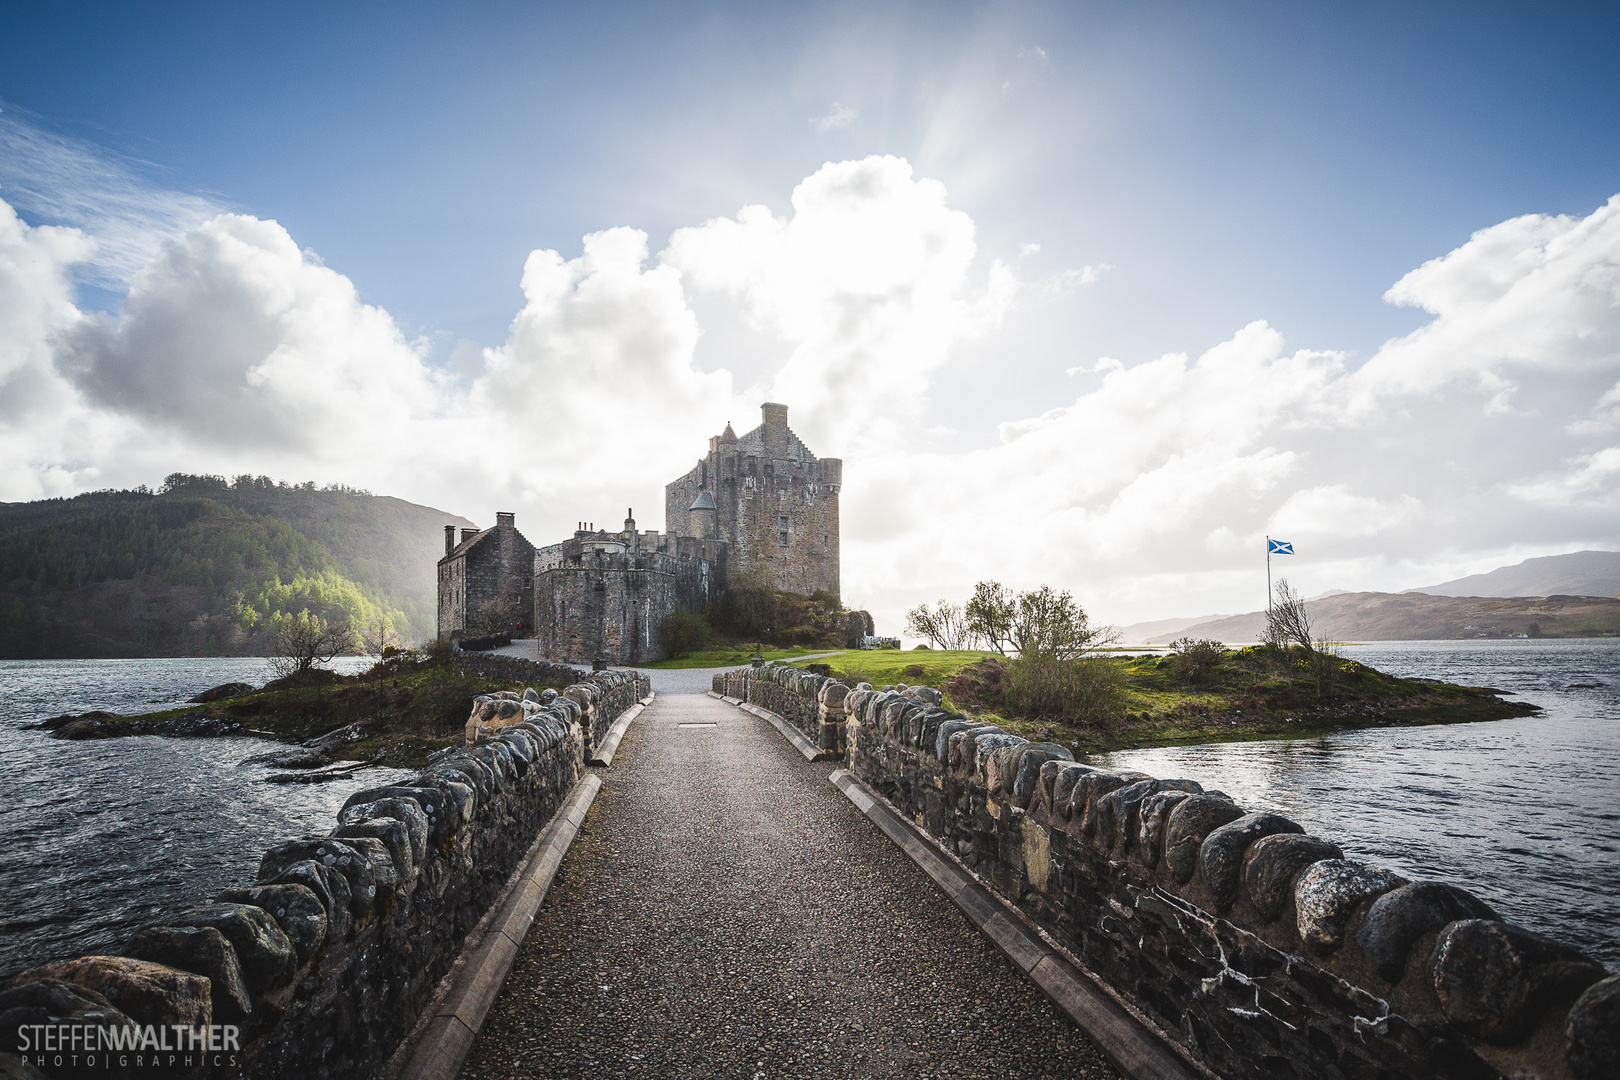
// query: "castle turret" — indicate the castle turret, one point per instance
point(703, 516)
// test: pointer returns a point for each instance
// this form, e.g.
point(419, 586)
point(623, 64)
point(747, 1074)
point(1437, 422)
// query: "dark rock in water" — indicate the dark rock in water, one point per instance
point(1273, 863)
point(406, 811)
point(1398, 918)
point(335, 855)
point(52, 1001)
point(262, 948)
point(204, 951)
point(222, 693)
point(312, 677)
point(289, 759)
point(1220, 857)
point(1327, 893)
point(331, 887)
point(145, 992)
point(202, 727)
point(1190, 821)
point(1495, 979)
point(297, 910)
point(1592, 1032)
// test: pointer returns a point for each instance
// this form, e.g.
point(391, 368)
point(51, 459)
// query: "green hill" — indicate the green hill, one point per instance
point(203, 566)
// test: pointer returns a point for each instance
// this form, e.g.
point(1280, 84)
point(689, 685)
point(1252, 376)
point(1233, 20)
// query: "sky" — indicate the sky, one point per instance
point(1095, 295)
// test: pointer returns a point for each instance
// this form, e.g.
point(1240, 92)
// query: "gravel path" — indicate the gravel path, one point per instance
point(725, 912)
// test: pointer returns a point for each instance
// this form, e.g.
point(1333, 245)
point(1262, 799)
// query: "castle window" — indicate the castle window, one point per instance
point(781, 524)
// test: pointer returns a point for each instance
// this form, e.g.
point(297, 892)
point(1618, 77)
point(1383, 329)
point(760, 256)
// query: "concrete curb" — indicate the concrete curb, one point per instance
point(1130, 1046)
point(810, 750)
point(490, 950)
point(603, 755)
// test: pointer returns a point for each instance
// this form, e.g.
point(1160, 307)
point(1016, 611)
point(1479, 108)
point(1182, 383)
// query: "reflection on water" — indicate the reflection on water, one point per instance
point(1523, 812)
point(103, 836)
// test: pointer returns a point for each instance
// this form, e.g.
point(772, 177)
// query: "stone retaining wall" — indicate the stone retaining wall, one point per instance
point(1262, 951)
point(326, 961)
point(515, 669)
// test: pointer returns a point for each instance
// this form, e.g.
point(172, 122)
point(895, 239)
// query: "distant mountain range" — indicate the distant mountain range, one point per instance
point(1561, 595)
point(204, 567)
point(1580, 573)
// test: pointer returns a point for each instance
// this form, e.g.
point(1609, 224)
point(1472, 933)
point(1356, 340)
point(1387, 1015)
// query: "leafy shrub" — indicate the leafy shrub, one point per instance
point(979, 686)
point(1195, 658)
point(1084, 692)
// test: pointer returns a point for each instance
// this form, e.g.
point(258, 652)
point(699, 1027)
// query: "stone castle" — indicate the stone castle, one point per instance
point(758, 507)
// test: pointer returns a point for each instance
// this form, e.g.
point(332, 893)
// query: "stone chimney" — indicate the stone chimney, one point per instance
point(508, 520)
point(449, 539)
point(468, 534)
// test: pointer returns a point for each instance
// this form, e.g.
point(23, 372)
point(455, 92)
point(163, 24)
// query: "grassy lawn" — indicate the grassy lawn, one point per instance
point(728, 657)
point(884, 667)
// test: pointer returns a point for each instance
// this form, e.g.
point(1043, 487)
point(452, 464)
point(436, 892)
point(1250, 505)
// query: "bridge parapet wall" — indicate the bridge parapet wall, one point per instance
point(1262, 951)
point(326, 962)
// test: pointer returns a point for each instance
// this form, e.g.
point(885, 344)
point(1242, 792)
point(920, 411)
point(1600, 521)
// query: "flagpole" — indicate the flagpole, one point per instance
point(1268, 578)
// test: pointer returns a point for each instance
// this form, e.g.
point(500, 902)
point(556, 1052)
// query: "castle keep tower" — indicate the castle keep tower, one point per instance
point(772, 501)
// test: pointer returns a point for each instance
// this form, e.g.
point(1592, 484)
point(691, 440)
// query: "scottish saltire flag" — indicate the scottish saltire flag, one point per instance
point(1278, 547)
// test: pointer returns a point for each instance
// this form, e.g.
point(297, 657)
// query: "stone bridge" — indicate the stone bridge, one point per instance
point(766, 873)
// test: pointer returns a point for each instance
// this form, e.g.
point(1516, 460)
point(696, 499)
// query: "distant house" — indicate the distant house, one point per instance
point(486, 582)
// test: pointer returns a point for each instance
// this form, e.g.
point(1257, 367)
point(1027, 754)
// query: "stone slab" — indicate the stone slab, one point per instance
point(1130, 1046)
point(603, 754)
point(478, 977)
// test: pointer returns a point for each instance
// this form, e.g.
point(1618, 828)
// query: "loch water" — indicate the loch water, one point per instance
point(102, 836)
point(1524, 813)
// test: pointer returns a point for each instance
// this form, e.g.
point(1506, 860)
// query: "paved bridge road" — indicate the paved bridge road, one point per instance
point(725, 912)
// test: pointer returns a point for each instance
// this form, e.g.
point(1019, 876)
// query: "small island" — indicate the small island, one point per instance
point(1197, 693)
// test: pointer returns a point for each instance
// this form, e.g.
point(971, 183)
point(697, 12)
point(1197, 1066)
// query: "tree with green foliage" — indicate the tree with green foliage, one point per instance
point(683, 632)
point(990, 613)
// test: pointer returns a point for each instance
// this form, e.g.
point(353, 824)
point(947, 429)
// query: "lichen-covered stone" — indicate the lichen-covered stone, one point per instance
point(1117, 820)
point(203, 951)
point(406, 811)
point(263, 949)
point(146, 992)
point(1494, 979)
point(297, 910)
point(1065, 774)
point(374, 851)
point(326, 883)
point(1190, 822)
point(1220, 857)
point(1327, 893)
point(337, 855)
point(393, 835)
point(52, 1001)
point(1154, 817)
point(1399, 917)
point(1592, 1032)
point(434, 804)
point(1028, 776)
point(1274, 862)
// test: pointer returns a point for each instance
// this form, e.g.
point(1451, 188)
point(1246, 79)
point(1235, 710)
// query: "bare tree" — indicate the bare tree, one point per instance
point(306, 641)
point(990, 615)
point(945, 625)
point(1287, 621)
point(378, 638)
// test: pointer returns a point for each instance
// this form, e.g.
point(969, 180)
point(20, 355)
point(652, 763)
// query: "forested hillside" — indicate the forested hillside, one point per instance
point(204, 567)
